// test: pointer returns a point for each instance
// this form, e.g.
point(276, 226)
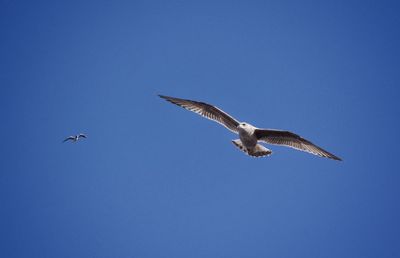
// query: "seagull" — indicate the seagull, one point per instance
point(249, 135)
point(75, 138)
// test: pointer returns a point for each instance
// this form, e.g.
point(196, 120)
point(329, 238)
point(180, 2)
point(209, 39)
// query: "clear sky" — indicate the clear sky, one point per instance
point(154, 180)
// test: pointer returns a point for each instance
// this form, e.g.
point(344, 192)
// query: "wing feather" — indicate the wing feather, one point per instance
point(292, 140)
point(206, 110)
point(69, 138)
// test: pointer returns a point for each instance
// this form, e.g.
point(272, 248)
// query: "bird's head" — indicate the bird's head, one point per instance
point(242, 125)
point(245, 126)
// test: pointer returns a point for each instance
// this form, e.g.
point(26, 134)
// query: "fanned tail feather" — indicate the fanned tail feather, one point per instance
point(256, 151)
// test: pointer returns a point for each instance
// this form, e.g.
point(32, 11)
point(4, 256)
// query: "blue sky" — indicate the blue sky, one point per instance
point(153, 180)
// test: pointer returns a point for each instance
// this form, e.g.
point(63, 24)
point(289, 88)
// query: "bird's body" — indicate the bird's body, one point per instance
point(246, 135)
point(249, 135)
point(248, 141)
point(75, 138)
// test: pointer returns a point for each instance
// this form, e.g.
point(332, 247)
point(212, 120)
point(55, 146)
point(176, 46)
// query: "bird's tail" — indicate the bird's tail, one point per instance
point(256, 151)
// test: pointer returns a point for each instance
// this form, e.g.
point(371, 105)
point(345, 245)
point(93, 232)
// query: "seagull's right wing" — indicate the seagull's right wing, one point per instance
point(206, 110)
point(69, 138)
point(292, 140)
point(82, 135)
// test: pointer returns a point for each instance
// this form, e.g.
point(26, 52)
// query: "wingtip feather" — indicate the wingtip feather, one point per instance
point(163, 96)
point(337, 158)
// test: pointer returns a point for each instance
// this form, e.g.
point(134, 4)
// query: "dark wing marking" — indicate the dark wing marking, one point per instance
point(292, 140)
point(206, 110)
point(69, 138)
point(82, 135)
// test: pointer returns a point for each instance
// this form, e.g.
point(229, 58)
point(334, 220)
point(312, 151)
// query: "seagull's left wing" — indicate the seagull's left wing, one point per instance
point(69, 138)
point(206, 110)
point(292, 140)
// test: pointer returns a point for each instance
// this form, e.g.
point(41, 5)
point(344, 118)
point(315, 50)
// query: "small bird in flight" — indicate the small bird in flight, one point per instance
point(250, 135)
point(75, 138)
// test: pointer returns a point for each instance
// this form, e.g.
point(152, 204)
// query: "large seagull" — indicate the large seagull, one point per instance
point(250, 135)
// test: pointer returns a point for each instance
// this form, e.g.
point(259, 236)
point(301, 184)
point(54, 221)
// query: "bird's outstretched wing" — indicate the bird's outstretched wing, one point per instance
point(206, 110)
point(82, 135)
point(69, 138)
point(292, 140)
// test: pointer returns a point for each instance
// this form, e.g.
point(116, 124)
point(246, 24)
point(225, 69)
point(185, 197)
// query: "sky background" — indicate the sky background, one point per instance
point(153, 180)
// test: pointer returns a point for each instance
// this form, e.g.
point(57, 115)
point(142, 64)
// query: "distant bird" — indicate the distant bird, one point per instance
point(75, 138)
point(250, 135)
